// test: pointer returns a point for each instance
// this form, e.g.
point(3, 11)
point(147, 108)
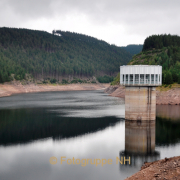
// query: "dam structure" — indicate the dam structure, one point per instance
point(140, 83)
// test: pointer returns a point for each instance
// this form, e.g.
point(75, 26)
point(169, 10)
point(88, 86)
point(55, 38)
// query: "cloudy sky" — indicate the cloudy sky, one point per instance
point(119, 22)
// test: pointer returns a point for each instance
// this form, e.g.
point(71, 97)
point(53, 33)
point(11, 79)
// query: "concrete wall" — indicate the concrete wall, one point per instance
point(140, 103)
point(139, 137)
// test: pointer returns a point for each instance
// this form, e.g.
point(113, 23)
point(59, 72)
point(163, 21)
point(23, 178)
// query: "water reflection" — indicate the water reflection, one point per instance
point(58, 115)
point(167, 125)
point(34, 127)
point(139, 137)
point(147, 141)
point(171, 112)
point(25, 125)
point(139, 144)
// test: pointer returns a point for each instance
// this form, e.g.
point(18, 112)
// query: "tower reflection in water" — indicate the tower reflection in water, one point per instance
point(139, 144)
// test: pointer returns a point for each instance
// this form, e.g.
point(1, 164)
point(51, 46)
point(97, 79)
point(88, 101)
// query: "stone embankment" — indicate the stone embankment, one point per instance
point(16, 87)
point(165, 96)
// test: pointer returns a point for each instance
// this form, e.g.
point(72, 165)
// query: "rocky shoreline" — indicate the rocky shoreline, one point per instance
point(167, 169)
point(16, 87)
point(169, 96)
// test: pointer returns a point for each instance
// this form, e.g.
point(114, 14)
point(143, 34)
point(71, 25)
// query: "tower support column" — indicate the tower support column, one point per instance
point(140, 103)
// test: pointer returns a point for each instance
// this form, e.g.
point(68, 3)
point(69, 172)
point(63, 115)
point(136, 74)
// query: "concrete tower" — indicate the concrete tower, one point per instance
point(140, 83)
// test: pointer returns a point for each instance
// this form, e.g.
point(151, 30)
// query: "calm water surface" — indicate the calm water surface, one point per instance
point(79, 124)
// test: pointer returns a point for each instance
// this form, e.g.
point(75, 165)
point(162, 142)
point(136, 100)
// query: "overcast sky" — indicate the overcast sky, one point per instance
point(119, 22)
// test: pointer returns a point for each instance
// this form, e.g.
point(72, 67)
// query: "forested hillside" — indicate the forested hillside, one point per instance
point(133, 48)
point(43, 55)
point(161, 50)
point(160, 41)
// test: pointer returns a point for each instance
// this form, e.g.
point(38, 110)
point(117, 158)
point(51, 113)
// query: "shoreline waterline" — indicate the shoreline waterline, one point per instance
point(8, 89)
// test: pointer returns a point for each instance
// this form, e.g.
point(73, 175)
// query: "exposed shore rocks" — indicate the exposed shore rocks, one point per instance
point(116, 91)
point(16, 87)
point(171, 96)
point(166, 169)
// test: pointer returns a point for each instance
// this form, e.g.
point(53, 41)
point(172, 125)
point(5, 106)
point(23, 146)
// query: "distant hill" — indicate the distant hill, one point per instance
point(161, 50)
point(160, 41)
point(61, 54)
point(133, 48)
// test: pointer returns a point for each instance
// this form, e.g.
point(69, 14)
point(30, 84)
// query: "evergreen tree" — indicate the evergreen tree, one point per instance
point(168, 78)
point(161, 50)
point(43, 54)
point(179, 78)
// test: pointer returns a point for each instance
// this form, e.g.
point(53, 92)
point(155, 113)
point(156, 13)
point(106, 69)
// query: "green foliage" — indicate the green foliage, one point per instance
point(161, 50)
point(174, 75)
point(168, 78)
point(77, 81)
point(105, 79)
point(40, 53)
point(52, 81)
point(133, 48)
point(93, 81)
point(163, 77)
point(179, 78)
point(4, 77)
point(44, 82)
point(116, 80)
point(64, 81)
point(160, 41)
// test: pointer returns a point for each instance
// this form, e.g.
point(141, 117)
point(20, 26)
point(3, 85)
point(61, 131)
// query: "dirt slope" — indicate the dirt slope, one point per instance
point(165, 169)
point(8, 89)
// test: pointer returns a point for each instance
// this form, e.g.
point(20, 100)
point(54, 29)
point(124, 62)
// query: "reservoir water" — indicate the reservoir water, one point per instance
point(80, 125)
